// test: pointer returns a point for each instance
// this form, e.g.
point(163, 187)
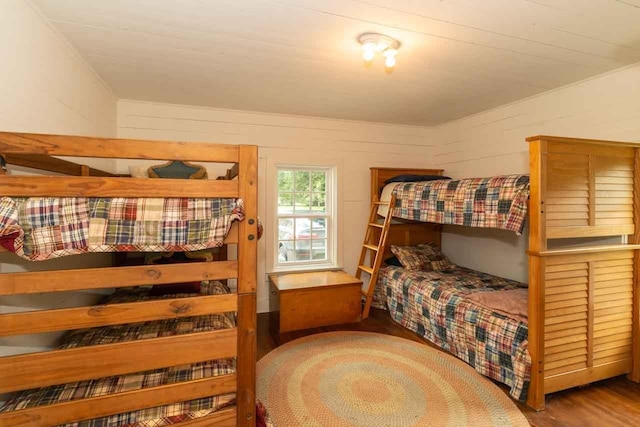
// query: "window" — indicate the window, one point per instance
point(304, 216)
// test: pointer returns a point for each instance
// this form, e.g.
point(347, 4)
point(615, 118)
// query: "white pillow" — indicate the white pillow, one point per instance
point(139, 171)
point(385, 197)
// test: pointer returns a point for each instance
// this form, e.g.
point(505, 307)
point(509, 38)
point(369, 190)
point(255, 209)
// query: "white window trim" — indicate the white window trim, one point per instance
point(334, 167)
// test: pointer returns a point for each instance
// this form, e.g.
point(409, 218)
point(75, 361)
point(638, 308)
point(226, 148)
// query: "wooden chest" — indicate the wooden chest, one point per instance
point(309, 300)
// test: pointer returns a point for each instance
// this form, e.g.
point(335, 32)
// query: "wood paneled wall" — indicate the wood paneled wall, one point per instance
point(493, 143)
point(47, 87)
point(353, 146)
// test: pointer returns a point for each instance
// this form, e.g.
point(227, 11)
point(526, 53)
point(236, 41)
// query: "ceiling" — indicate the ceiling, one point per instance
point(458, 57)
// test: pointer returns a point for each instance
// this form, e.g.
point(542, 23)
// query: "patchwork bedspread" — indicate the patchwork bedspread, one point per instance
point(496, 202)
point(433, 305)
point(40, 228)
point(152, 417)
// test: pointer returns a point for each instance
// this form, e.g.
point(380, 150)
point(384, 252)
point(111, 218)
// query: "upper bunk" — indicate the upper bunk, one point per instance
point(91, 210)
point(425, 195)
point(579, 188)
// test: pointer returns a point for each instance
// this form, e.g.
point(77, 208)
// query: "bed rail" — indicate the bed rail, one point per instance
point(52, 164)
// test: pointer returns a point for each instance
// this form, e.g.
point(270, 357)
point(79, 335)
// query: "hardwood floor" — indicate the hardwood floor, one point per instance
point(614, 402)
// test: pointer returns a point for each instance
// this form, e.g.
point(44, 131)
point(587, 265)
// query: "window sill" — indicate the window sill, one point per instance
point(304, 268)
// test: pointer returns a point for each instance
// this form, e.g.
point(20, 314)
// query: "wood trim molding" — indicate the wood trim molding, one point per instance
point(581, 141)
point(585, 250)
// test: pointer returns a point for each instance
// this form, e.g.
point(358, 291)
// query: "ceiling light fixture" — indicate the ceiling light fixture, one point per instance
point(373, 43)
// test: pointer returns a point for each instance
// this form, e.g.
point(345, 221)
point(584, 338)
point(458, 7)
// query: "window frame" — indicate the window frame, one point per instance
point(331, 192)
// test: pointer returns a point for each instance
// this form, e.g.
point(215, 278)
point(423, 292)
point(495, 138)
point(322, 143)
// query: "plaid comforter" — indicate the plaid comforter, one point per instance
point(41, 228)
point(152, 417)
point(433, 305)
point(496, 202)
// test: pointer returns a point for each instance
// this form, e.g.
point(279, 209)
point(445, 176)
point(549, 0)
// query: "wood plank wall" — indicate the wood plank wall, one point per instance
point(353, 147)
point(493, 142)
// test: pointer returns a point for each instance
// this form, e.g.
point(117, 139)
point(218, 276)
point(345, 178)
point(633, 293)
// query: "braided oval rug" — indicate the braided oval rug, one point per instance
point(365, 379)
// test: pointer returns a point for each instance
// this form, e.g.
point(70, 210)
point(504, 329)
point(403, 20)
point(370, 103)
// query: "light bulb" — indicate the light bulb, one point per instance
point(390, 57)
point(368, 54)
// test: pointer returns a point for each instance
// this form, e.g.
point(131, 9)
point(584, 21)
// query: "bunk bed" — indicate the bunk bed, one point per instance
point(445, 306)
point(582, 320)
point(184, 357)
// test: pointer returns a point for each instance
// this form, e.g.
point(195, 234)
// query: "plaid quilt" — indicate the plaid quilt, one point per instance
point(433, 304)
point(41, 228)
point(152, 417)
point(496, 202)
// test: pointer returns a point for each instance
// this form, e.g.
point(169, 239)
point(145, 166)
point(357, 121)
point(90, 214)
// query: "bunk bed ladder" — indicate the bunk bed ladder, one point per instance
point(376, 246)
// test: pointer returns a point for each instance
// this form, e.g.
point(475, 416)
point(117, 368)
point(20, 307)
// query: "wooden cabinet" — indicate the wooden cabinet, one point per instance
point(309, 300)
point(584, 295)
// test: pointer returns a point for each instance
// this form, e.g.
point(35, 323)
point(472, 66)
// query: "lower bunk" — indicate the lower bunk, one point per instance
point(209, 409)
point(477, 317)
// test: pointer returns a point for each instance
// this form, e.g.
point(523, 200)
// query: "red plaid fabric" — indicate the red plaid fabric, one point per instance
point(497, 202)
point(433, 305)
point(425, 257)
point(152, 417)
point(42, 228)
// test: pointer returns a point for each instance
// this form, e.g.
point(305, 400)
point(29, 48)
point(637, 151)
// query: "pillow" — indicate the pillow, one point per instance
point(138, 171)
point(394, 261)
point(178, 170)
point(425, 257)
point(414, 178)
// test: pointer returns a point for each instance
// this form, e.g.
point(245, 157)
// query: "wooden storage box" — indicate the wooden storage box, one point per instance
point(309, 300)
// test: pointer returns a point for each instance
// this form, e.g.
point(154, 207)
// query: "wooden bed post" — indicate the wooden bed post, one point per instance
point(247, 259)
point(537, 243)
point(634, 375)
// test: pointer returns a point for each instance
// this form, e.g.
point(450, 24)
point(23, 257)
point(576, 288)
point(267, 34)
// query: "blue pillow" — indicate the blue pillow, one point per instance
point(414, 178)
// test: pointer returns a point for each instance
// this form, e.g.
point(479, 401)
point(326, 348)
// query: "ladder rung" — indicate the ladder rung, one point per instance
point(373, 224)
point(372, 247)
point(381, 203)
point(365, 268)
point(364, 293)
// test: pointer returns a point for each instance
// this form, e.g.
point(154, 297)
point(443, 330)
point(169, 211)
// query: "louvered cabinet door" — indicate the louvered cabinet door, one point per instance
point(613, 308)
point(566, 315)
point(567, 201)
point(588, 317)
point(589, 191)
point(614, 193)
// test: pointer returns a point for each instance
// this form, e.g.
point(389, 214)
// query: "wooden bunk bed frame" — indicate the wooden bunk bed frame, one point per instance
point(584, 301)
point(402, 232)
point(64, 366)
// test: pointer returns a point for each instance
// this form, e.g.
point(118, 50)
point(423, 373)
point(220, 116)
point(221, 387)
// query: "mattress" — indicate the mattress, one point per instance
point(42, 228)
point(158, 416)
point(495, 202)
point(434, 305)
